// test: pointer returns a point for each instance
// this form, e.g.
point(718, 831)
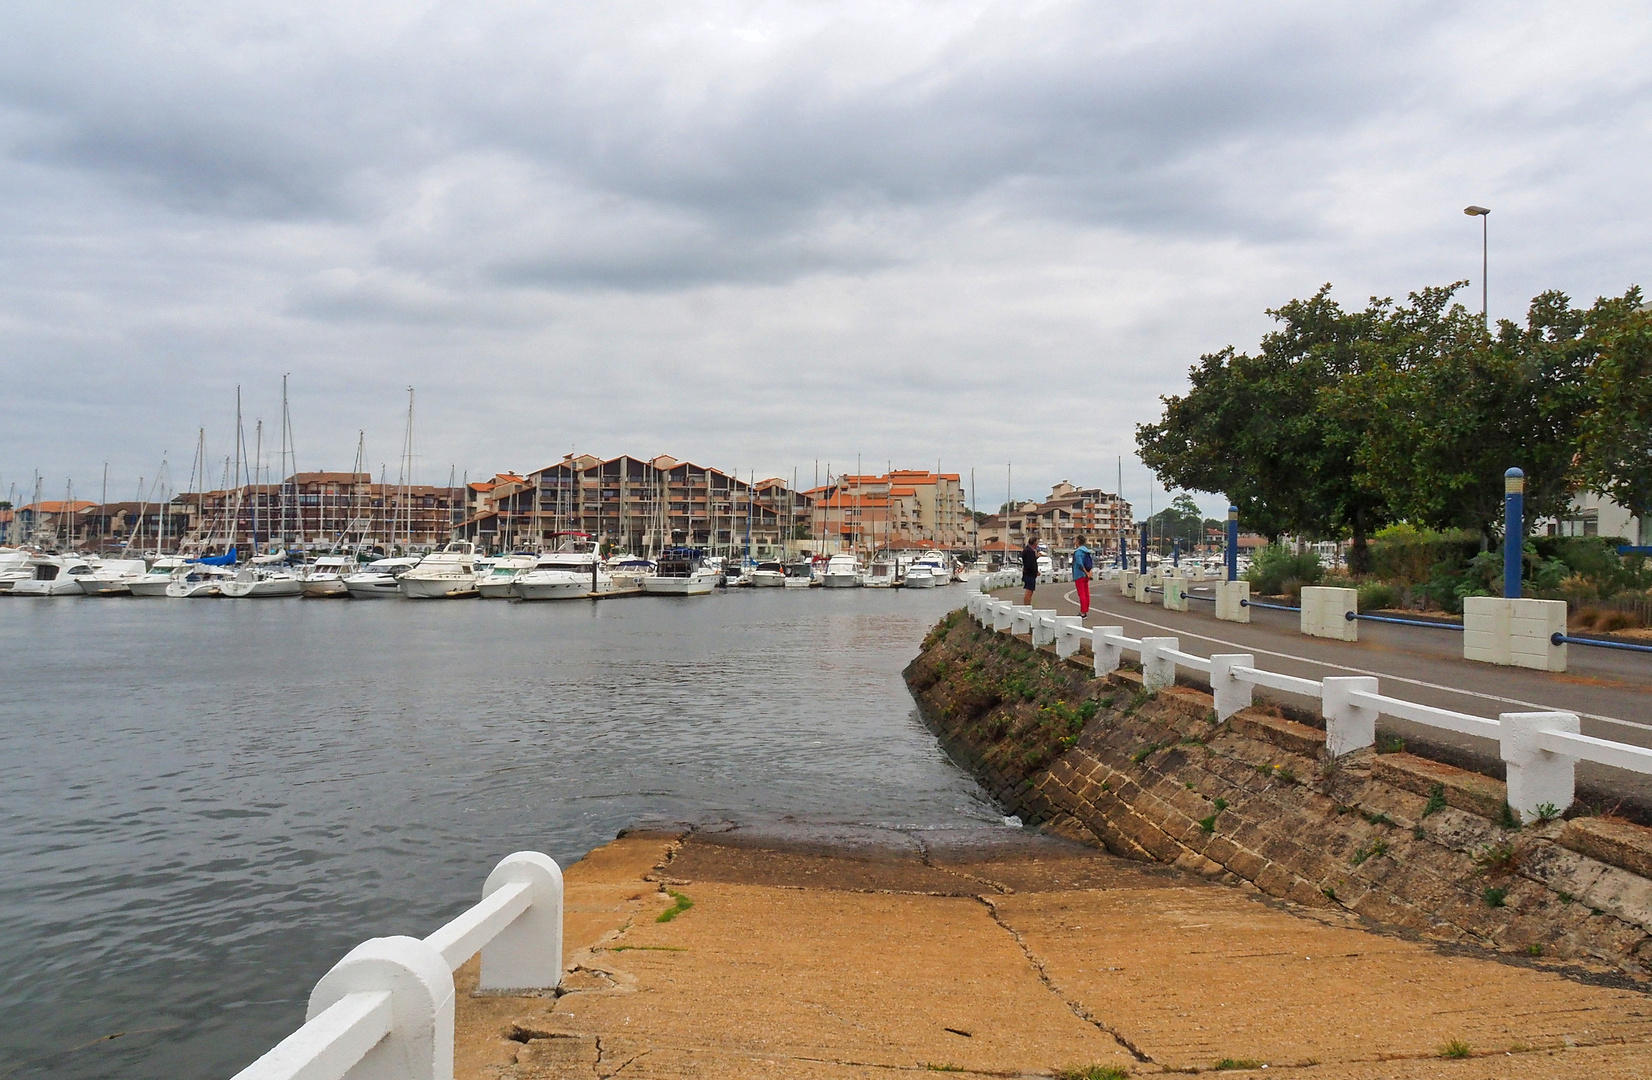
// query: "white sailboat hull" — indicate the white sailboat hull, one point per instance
point(840, 581)
point(678, 586)
point(768, 579)
point(443, 587)
point(149, 586)
point(105, 587)
point(264, 589)
point(560, 585)
point(194, 590)
point(60, 586)
point(371, 586)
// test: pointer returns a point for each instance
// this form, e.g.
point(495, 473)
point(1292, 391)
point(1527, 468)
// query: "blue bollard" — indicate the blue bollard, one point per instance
point(1175, 553)
point(1514, 530)
point(1144, 547)
point(1233, 543)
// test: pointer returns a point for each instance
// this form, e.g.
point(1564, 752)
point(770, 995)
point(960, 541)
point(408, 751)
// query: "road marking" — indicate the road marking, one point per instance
point(1072, 597)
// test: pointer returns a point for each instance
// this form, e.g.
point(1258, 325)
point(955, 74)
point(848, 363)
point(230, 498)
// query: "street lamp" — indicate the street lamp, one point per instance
point(1482, 213)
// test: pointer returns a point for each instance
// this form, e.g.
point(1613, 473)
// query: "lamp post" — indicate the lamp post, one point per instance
point(1482, 213)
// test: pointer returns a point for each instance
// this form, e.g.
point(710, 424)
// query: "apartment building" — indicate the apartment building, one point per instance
point(906, 509)
point(1068, 513)
point(640, 505)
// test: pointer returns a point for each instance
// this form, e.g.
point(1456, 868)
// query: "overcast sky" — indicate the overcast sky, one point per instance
point(756, 235)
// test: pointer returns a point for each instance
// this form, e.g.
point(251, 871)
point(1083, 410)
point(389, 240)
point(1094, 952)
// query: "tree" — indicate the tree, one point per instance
point(1615, 436)
point(1262, 431)
point(1450, 409)
point(1181, 521)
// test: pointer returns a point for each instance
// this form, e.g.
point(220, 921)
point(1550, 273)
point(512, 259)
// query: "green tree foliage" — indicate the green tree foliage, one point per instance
point(1181, 521)
point(1451, 408)
point(1616, 437)
point(1345, 421)
point(1262, 430)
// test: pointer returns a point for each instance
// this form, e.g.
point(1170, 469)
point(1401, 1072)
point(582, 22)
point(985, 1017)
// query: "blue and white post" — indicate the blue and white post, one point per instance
point(1514, 530)
point(1176, 552)
point(1233, 543)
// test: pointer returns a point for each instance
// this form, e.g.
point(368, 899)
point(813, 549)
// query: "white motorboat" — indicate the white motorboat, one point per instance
point(254, 582)
point(14, 567)
point(501, 575)
point(448, 574)
point(112, 577)
point(680, 573)
point(800, 575)
point(325, 577)
point(564, 575)
point(918, 576)
point(629, 571)
point(54, 575)
point(768, 575)
point(378, 578)
point(881, 574)
point(842, 572)
point(159, 575)
point(197, 582)
point(939, 565)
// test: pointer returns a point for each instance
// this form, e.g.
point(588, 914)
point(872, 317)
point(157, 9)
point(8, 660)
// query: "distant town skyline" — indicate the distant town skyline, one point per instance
point(983, 233)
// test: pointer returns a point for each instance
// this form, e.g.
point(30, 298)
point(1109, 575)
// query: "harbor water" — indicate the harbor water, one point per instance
point(204, 804)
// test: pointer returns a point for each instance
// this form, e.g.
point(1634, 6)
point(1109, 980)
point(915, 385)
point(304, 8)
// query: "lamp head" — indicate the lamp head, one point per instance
point(1476, 211)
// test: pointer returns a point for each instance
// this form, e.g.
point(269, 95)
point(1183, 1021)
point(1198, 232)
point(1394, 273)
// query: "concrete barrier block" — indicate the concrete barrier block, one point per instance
point(1158, 670)
point(1538, 780)
point(1231, 693)
point(1175, 593)
point(1107, 653)
point(1067, 637)
point(1143, 583)
point(1043, 628)
point(1348, 726)
point(1325, 613)
point(1514, 632)
point(1230, 597)
point(1003, 615)
point(1127, 583)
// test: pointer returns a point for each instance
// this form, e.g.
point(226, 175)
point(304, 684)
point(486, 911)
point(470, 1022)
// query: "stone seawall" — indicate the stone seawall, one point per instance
point(1406, 842)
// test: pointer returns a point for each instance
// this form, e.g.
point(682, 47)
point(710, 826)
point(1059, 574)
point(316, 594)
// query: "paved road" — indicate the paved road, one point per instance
point(1611, 690)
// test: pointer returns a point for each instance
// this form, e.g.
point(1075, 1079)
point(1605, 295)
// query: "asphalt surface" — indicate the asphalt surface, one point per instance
point(1611, 691)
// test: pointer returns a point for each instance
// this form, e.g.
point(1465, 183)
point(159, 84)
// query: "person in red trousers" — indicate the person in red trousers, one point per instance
point(1084, 563)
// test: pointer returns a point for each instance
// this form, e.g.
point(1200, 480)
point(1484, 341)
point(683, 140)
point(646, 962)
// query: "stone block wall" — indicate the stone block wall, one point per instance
point(1402, 840)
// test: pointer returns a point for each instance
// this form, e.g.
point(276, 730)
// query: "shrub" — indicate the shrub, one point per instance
point(1376, 595)
point(1273, 566)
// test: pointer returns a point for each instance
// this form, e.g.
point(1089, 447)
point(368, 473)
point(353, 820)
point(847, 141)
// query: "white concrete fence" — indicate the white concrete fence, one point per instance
point(1540, 749)
point(385, 1011)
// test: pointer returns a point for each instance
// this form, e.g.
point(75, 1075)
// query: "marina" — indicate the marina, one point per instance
point(203, 805)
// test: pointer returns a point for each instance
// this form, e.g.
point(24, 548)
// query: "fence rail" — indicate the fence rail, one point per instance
point(1540, 749)
point(386, 1009)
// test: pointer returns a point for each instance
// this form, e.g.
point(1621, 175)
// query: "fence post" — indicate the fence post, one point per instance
point(1043, 629)
point(527, 954)
point(1233, 543)
point(1066, 639)
point(1536, 777)
point(1157, 670)
point(1231, 692)
point(1107, 653)
point(1021, 619)
point(1514, 531)
point(420, 1043)
point(1348, 726)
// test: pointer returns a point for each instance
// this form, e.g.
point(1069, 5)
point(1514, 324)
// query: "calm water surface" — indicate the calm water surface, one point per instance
point(204, 804)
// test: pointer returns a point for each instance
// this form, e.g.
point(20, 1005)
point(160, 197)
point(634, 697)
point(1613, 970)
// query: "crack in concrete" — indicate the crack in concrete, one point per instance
point(923, 855)
point(1049, 984)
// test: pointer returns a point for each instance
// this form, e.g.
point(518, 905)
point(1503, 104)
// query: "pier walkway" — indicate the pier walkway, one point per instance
point(1611, 691)
point(859, 952)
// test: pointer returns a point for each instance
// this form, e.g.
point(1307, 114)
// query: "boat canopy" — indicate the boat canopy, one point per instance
point(226, 559)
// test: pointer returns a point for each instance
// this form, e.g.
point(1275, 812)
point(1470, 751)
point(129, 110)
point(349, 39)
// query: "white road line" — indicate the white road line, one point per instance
point(1072, 597)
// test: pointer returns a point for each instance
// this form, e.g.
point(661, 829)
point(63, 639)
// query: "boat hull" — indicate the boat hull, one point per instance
point(764, 580)
point(268, 589)
point(61, 586)
point(194, 590)
point(454, 587)
point(95, 587)
point(496, 590)
point(919, 581)
point(149, 587)
point(372, 588)
point(677, 586)
point(840, 581)
point(324, 587)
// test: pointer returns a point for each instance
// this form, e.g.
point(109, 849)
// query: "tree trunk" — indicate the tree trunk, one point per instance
point(1359, 556)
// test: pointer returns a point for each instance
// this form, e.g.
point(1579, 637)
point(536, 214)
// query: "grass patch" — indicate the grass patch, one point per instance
point(1494, 896)
point(1456, 1048)
point(1534, 949)
point(681, 905)
point(1547, 811)
point(1378, 818)
point(1500, 857)
point(1371, 852)
point(1236, 1063)
point(1093, 1072)
point(1510, 820)
point(1436, 800)
point(1566, 897)
point(1220, 805)
point(1391, 744)
point(1137, 700)
point(932, 1067)
point(1145, 752)
point(1330, 894)
point(1417, 832)
point(1208, 824)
